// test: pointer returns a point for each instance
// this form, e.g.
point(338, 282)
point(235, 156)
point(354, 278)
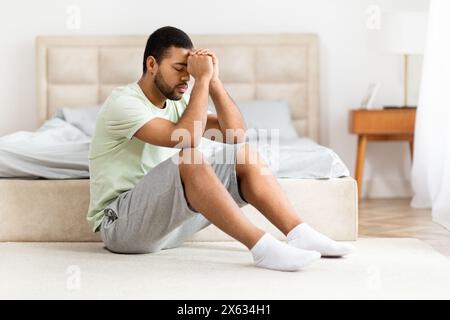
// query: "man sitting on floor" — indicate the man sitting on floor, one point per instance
point(152, 189)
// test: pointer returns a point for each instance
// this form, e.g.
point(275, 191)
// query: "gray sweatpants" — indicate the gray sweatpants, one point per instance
point(155, 215)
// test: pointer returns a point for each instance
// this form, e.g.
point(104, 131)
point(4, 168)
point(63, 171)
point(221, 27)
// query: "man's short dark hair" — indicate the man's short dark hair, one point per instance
point(161, 40)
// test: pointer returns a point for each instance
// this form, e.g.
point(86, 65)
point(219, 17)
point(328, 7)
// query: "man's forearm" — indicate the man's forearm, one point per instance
point(228, 113)
point(196, 111)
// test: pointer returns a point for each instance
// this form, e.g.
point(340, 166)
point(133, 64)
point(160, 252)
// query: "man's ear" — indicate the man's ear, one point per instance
point(152, 66)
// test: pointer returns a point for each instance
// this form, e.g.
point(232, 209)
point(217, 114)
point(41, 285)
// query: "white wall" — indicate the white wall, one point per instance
point(348, 62)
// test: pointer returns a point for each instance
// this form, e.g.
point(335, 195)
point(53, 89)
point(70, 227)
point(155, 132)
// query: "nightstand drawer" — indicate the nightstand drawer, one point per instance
point(387, 121)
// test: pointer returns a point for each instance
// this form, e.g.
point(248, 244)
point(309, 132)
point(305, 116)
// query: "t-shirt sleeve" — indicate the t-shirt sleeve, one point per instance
point(126, 116)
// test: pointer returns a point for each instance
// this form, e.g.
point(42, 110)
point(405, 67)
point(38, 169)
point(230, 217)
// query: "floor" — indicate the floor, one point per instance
point(390, 262)
point(380, 268)
point(395, 218)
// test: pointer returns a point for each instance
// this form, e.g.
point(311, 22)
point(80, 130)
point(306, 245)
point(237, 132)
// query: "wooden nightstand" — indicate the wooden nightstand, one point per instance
point(380, 125)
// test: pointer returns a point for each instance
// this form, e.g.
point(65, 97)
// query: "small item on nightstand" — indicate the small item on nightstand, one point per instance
point(367, 101)
point(399, 107)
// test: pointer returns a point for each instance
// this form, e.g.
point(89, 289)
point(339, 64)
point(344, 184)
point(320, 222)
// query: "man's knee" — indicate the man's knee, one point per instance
point(248, 154)
point(192, 159)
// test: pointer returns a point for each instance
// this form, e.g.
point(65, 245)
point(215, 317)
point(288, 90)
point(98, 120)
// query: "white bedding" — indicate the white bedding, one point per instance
point(304, 158)
point(59, 150)
point(300, 158)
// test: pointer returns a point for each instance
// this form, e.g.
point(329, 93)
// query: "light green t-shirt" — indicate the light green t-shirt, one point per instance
point(117, 160)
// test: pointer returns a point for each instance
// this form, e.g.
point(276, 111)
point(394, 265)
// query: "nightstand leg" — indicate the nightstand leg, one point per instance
point(360, 157)
point(411, 149)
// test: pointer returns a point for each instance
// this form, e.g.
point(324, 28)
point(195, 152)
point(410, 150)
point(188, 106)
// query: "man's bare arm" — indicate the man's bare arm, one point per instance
point(228, 114)
point(228, 117)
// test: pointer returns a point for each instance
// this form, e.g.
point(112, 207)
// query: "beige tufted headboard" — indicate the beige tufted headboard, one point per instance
point(82, 70)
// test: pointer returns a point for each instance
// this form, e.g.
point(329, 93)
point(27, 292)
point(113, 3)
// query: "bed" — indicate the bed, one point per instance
point(78, 71)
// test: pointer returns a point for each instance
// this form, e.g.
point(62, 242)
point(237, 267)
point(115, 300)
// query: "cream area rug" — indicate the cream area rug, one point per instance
point(381, 268)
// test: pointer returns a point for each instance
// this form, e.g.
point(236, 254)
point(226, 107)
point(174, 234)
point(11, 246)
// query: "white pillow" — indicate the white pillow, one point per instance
point(268, 114)
point(81, 117)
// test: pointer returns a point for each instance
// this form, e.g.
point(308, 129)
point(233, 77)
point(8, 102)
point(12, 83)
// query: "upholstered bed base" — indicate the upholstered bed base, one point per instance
point(55, 210)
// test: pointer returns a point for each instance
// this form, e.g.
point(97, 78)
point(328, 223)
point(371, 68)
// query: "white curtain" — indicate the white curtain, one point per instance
point(431, 164)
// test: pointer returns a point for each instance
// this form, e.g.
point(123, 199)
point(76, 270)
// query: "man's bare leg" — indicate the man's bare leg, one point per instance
point(263, 190)
point(206, 193)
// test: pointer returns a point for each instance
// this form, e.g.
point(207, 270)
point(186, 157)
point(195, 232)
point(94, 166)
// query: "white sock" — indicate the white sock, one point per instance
point(305, 237)
point(271, 253)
